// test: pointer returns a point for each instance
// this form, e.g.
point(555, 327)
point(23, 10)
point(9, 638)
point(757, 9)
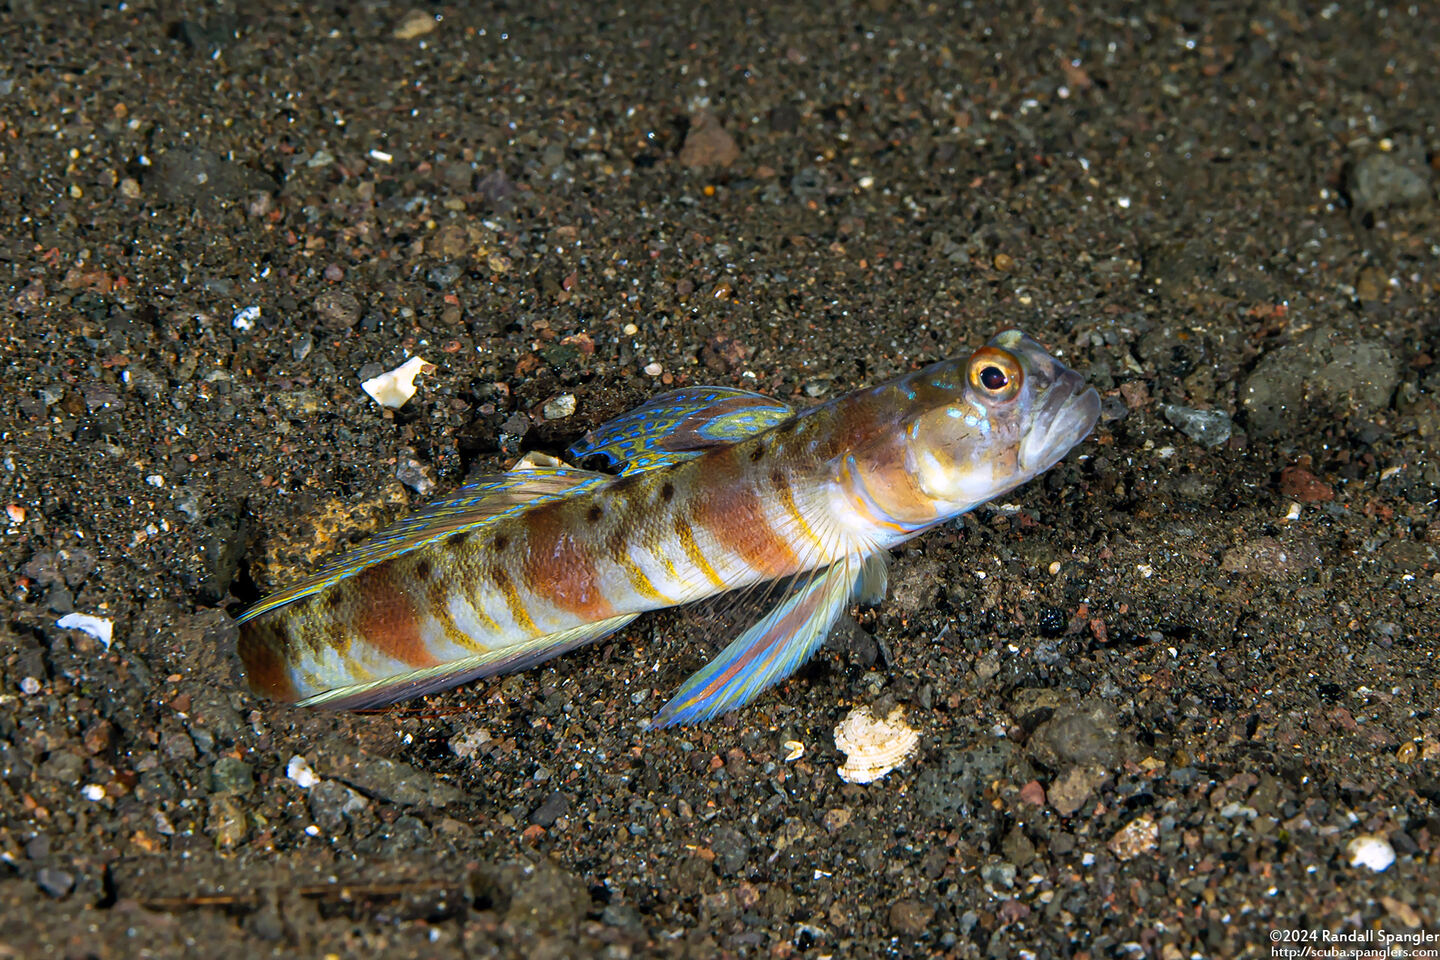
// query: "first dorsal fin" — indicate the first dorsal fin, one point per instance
point(680, 424)
point(537, 478)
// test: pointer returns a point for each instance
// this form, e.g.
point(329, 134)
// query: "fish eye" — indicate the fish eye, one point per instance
point(995, 374)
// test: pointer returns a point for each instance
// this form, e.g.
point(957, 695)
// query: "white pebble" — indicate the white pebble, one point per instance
point(394, 387)
point(1370, 851)
point(93, 792)
point(629, 329)
point(97, 627)
point(29, 686)
point(1145, 570)
point(312, 831)
point(298, 769)
point(794, 750)
point(653, 369)
point(381, 156)
point(559, 407)
point(245, 319)
point(155, 480)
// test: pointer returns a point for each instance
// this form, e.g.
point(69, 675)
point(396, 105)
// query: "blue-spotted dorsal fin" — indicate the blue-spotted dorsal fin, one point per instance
point(680, 424)
point(536, 478)
point(775, 646)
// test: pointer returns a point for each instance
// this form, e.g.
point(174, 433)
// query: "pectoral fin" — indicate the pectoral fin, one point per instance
point(774, 647)
point(679, 425)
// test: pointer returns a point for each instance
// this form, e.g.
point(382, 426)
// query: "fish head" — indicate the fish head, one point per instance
point(989, 423)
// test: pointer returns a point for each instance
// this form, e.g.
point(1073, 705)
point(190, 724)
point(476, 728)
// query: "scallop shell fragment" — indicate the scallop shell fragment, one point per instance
point(872, 746)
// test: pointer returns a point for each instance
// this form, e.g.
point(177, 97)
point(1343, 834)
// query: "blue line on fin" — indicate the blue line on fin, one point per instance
point(509, 659)
point(772, 648)
point(683, 421)
point(477, 504)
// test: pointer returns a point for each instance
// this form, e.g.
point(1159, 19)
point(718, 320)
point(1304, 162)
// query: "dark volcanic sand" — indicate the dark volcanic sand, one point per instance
point(1154, 712)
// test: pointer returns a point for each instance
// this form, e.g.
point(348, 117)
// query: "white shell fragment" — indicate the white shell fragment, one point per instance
point(298, 770)
point(794, 750)
point(873, 747)
point(1370, 851)
point(245, 319)
point(394, 387)
point(98, 627)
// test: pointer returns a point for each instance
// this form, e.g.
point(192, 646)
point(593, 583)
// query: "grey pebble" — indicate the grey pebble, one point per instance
point(732, 850)
point(55, 882)
point(1381, 181)
point(231, 775)
point(331, 802)
point(555, 806)
point(1209, 428)
point(338, 309)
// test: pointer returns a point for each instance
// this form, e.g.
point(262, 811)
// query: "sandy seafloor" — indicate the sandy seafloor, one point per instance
point(1160, 696)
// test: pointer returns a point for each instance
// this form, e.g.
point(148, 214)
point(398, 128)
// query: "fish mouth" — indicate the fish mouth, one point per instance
point(1068, 413)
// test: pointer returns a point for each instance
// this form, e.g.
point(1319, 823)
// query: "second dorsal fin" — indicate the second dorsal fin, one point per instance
point(680, 424)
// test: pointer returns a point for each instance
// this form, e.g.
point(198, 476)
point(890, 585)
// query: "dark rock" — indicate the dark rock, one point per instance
point(541, 898)
point(64, 766)
point(497, 191)
point(955, 784)
point(231, 775)
point(555, 806)
point(1322, 374)
point(388, 780)
point(1082, 733)
point(203, 178)
point(405, 834)
point(443, 276)
point(331, 803)
point(732, 851)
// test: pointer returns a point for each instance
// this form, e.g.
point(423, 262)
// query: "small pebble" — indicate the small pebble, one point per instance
point(93, 792)
point(96, 627)
point(394, 388)
point(1370, 851)
point(653, 369)
point(560, 407)
point(338, 309)
point(298, 770)
point(246, 318)
point(415, 23)
point(56, 883)
point(1209, 428)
